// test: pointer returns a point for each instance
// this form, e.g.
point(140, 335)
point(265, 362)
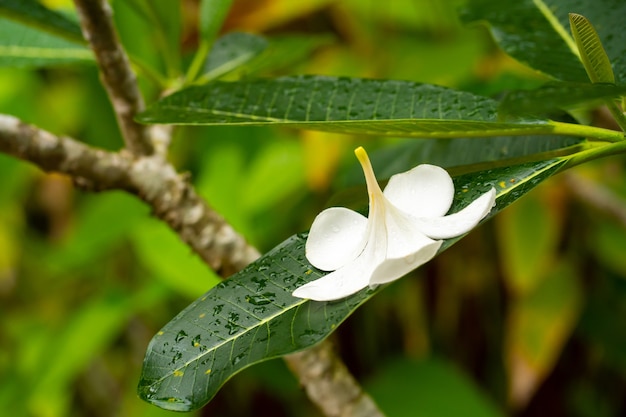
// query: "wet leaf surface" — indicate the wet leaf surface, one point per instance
point(252, 317)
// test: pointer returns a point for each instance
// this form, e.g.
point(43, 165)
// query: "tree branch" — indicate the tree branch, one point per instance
point(172, 198)
point(329, 384)
point(325, 378)
point(115, 73)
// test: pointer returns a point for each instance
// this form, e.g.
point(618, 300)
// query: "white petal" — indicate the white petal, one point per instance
point(403, 234)
point(350, 278)
point(461, 222)
point(424, 191)
point(393, 268)
point(338, 284)
point(355, 275)
point(337, 237)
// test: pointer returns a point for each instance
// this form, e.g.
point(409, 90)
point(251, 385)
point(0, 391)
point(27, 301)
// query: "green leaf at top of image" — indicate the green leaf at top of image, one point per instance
point(252, 316)
point(344, 105)
point(537, 32)
point(592, 53)
point(230, 52)
point(212, 15)
point(33, 13)
point(23, 46)
point(555, 96)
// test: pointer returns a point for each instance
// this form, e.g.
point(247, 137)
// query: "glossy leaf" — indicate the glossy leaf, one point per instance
point(346, 105)
point(556, 96)
point(252, 317)
point(230, 52)
point(592, 53)
point(537, 32)
point(22, 46)
point(33, 13)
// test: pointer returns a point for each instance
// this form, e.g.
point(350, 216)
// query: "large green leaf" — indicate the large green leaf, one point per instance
point(33, 13)
point(252, 317)
point(347, 105)
point(21, 46)
point(536, 32)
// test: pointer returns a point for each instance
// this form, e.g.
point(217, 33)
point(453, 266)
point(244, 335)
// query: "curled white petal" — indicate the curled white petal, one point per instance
point(458, 223)
point(393, 268)
point(424, 191)
point(353, 276)
point(337, 236)
point(341, 283)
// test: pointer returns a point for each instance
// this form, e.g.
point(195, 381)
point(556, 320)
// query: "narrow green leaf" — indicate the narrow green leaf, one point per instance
point(212, 15)
point(230, 52)
point(346, 105)
point(33, 13)
point(556, 96)
point(252, 317)
point(22, 46)
point(592, 54)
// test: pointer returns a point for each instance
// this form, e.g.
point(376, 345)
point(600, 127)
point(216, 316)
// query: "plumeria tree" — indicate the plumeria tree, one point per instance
point(286, 302)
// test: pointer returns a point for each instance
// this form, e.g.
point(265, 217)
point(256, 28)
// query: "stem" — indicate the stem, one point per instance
point(594, 134)
point(595, 152)
point(198, 61)
point(617, 114)
point(115, 71)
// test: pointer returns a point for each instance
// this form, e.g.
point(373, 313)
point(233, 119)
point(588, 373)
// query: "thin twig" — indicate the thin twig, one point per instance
point(324, 377)
point(116, 73)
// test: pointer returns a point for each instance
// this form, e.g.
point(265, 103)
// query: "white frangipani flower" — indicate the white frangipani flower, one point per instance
point(403, 231)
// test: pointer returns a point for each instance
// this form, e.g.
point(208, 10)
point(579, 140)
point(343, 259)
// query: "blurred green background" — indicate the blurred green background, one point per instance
point(522, 317)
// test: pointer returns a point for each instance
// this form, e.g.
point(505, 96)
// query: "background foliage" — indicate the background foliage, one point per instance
point(520, 317)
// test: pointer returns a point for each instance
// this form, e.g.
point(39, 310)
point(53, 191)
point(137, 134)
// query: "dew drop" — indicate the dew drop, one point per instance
point(177, 357)
point(180, 336)
point(261, 299)
point(238, 358)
